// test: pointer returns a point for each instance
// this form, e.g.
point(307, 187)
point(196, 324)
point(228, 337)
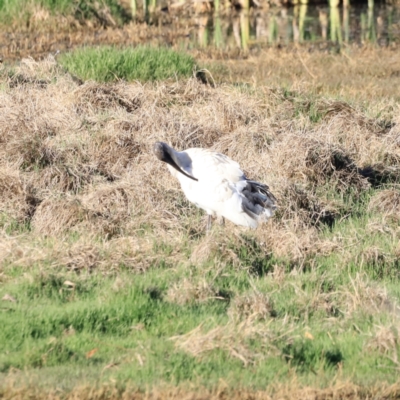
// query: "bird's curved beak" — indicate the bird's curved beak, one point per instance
point(165, 153)
point(173, 161)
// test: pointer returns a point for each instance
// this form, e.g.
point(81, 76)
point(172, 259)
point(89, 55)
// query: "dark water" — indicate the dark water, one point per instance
point(321, 26)
point(360, 24)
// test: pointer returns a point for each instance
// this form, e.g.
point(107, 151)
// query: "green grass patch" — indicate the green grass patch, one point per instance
point(17, 11)
point(69, 328)
point(22, 8)
point(107, 64)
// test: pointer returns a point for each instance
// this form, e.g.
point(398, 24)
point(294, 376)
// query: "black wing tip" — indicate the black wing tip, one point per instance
point(263, 189)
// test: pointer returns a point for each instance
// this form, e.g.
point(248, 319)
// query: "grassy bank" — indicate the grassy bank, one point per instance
point(107, 278)
point(42, 14)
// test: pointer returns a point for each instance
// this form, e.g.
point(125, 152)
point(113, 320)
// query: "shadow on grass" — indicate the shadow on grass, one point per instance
point(306, 355)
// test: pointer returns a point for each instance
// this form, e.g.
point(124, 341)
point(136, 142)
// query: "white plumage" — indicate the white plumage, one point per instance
point(216, 184)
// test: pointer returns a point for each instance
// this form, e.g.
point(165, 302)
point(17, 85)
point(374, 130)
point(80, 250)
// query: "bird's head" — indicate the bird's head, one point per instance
point(159, 149)
point(167, 154)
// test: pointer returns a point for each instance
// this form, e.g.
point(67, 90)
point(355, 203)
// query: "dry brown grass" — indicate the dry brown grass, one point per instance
point(371, 297)
point(135, 253)
point(339, 389)
point(386, 340)
point(234, 339)
point(186, 291)
point(256, 305)
point(13, 195)
point(305, 207)
point(216, 247)
point(357, 73)
point(387, 202)
point(77, 158)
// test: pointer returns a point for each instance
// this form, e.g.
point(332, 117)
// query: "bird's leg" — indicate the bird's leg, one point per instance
point(222, 221)
point(209, 223)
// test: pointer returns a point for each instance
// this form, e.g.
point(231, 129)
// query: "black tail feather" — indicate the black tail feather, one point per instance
point(256, 188)
point(258, 198)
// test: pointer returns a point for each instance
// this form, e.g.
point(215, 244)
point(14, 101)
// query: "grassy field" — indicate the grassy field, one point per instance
point(109, 285)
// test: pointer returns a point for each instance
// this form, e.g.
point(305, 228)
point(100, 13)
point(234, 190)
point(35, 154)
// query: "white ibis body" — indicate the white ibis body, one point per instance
point(216, 184)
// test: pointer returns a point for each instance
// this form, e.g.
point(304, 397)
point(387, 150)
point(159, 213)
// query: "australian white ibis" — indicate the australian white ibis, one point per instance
point(215, 183)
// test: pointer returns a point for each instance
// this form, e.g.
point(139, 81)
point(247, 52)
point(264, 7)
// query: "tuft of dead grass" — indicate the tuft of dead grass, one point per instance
point(231, 338)
point(97, 97)
point(186, 291)
point(55, 216)
point(216, 246)
point(255, 306)
point(382, 263)
point(366, 297)
point(290, 240)
point(318, 163)
point(81, 257)
point(386, 202)
point(14, 197)
point(386, 341)
point(109, 207)
point(306, 207)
